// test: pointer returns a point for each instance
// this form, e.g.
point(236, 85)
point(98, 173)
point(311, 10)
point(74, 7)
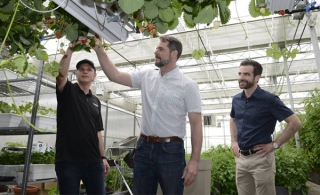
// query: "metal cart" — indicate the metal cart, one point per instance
point(118, 155)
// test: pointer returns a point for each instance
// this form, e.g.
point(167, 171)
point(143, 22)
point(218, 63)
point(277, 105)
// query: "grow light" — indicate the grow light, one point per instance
point(277, 5)
point(94, 17)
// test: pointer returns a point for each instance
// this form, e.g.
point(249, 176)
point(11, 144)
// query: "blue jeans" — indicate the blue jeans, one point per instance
point(161, 163)
point(70, 174)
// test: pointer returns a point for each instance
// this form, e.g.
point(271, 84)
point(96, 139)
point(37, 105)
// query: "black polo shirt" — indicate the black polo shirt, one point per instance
point(256, 117)
point(78, 122)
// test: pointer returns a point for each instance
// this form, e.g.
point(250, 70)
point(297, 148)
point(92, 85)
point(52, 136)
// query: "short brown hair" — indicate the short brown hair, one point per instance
point(257, 68)
point(173, 44)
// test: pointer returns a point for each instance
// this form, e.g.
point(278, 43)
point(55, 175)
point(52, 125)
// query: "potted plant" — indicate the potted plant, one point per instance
point(223, 170)
point(7, 116)
point(41, 163)
point(45, 120)
point(53, 191)
point(30, 190)
point(11, 118)
point(292, 169)
point(310, 133)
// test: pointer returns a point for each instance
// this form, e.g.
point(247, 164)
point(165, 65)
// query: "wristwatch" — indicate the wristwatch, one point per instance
point(104, 157)
point(275, 145)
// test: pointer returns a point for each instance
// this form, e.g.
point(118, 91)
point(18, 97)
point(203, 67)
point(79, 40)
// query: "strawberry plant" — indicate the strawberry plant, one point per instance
point(258, 8)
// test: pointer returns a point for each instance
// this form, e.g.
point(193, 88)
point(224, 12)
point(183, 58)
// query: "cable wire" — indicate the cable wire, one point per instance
point(48, 11)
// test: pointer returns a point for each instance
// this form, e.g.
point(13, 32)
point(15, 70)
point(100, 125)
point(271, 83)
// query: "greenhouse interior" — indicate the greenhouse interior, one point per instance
point(216, 36)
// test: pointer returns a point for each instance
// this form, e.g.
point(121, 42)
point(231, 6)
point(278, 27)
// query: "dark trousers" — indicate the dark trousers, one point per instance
point(70, 174)
point(159, 163)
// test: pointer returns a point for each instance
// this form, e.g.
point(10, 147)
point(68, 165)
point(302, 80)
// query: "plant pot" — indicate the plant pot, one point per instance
point(31, 190)
point(218, 187)
point(9, 120)
point(19, 178)
point(42, 122)
point(281, 190)
point(315, 178)
point(3, 188)
point(40, 171)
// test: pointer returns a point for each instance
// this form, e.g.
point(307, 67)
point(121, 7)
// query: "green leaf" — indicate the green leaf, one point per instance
point(130, 6)
point(162, 27)
point(252, 9)
point(274, 46)
point(269, 52)
point(163, 3)
point(284, 50)
point(46, 67)
point(55, 73)
point(295, 51)
point(4, 16)
point(24, 40)
point(7, 8)
point(292, 55)
point(173, 24)
point(224, 11)
point(187, 8)
point(177, 9)
point(72, 32)
point(38, 4)
point(151, 9)
point(20, 63)
point(166, 14)
point(41, 55)
point(188, 20)
point(277, 55)
point(78, 47)
point(205, 16)
point(198, 54)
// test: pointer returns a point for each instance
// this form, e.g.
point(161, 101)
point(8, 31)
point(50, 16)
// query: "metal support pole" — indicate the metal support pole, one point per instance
point(31, 130)
point(106, 124)
point(285, 60)
point(314, 40)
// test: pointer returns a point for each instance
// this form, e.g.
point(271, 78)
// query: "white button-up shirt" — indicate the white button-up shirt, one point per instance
point(166, 100)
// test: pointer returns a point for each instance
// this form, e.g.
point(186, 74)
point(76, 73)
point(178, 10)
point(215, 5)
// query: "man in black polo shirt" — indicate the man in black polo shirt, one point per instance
point(79, 145)
point(254, 114)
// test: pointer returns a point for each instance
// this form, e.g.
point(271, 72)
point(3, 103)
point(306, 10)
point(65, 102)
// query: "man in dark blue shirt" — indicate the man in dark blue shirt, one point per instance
point(254, 114)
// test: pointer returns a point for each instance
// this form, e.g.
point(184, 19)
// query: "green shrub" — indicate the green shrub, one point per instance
point(18, 158)
point(292, 169)
point(310, 131)
point(223, 169)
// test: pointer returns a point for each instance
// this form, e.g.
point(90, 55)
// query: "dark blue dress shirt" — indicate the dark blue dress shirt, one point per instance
point(256, 117)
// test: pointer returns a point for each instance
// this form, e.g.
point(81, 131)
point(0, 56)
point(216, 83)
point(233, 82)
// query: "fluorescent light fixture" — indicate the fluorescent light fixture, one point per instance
point(277, 5)
point(94, 18)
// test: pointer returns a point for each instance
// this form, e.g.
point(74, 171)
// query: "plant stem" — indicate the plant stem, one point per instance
point(15, 105)
point(198, 38)
point(14, 15)
point(284, 32)
point(245, 32)
point(267, 29)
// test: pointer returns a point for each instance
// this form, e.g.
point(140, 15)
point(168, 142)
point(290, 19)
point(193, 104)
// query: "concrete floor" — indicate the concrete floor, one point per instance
point(314, 189)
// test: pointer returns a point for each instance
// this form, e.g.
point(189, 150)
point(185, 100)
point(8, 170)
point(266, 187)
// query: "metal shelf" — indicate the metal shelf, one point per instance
point(29, 182)
point(22, 130)
point(25, 87)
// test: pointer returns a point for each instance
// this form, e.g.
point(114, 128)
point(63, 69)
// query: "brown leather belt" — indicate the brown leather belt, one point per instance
point(248, 152)
point(159, 139)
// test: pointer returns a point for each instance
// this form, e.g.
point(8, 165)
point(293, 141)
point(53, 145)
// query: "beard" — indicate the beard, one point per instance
point(247, 84)
point(162, 62)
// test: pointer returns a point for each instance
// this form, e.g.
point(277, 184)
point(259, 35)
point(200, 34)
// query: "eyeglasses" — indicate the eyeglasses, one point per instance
point(86, 69)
